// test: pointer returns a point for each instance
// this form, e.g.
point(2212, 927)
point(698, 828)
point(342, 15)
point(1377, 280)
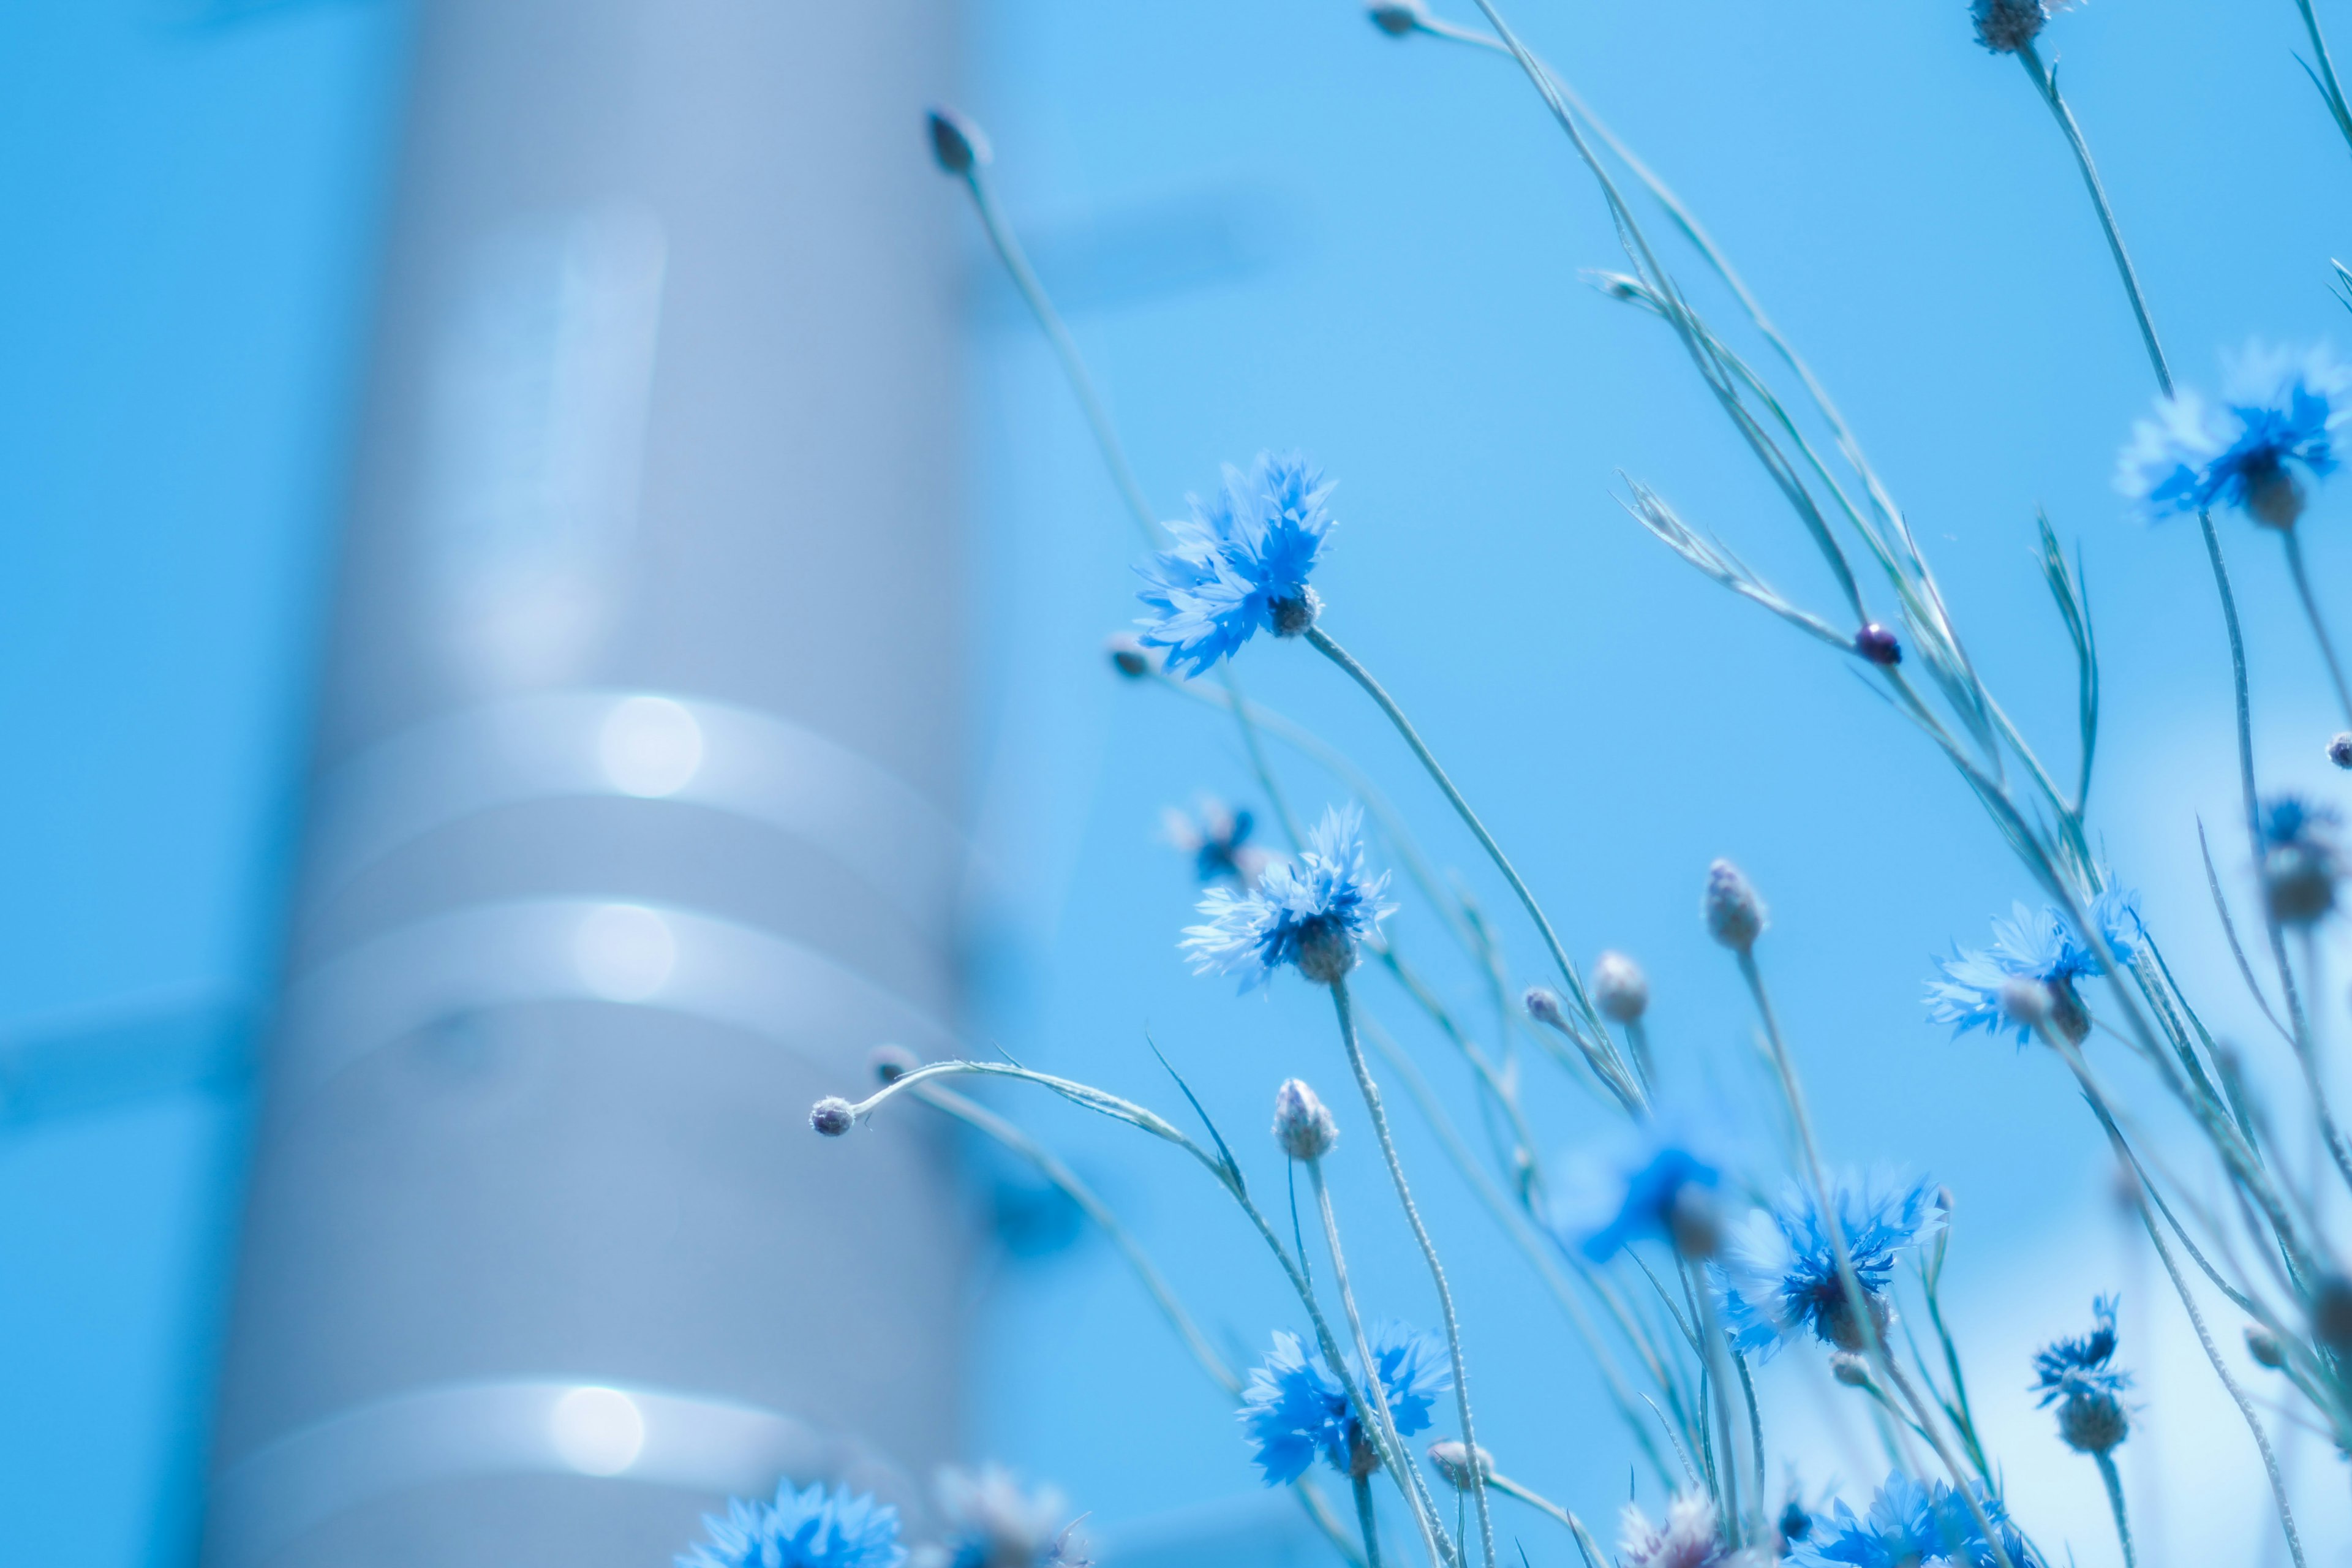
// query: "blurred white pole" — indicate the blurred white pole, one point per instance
point(632, 826)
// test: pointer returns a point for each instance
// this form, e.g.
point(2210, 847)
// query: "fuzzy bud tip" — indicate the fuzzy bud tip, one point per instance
point(1850, 1369)
point(1619, 989)
point(2265, 1347)
point(2339, 749)
point(1303, 1124)
point(1543, 1006)
point(1452, 1460)
point(831, 1116)
point(2093, 1423)
point(1735, 915)
point(1396, 18)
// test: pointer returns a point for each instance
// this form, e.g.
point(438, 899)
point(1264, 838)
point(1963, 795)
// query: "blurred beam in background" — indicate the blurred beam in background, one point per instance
point(634, 817)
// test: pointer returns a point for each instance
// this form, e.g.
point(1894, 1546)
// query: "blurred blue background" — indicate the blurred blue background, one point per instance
point(1274, 227)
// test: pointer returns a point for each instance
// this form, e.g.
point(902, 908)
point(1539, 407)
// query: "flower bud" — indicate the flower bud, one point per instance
point(1396, 18)
point(1619, 989)
point(1879, 646)
point(2265, 1347)
point(891, 1063)
point(957, 142)
point(1543, 1006)
point(1850, 1369)
point(1128, 655)
point(2299, 882)
point(1303, 1124)
point(1453, 1461)
point(2339, 749)
point(1735, 915)
point(831, 1116)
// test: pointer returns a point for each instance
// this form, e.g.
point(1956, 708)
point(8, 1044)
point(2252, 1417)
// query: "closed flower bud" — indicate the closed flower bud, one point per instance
point(1396, 18)
point(2265, 1347)
point(1879, 646)
point(1543, 1006)
point(1128, 655)
point(2093, 1423)
point(2339, 749)
point(1453, 1461)
point(891, 1063)
point(2331, 1314)
point(831, 1116)
point(1303, 1124)
point(1735, 915)
point(1850, 1369)
point(957, 142)
point(1619, 989)
point(2299, 882)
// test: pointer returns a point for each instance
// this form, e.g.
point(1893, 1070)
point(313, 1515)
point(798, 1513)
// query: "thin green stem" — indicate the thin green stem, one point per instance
point(2329, 87)
point(1323, 644)
point(1009, 250)
point(1857, 1300)
point(1364, 1522)
point(1716, 1358)
point(2115, 1501)
point(1371, 1094)
point(2293, 543)
point(1364, 1357)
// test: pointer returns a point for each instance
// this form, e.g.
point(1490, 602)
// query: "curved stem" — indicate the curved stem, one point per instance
point(1065, 349)
point(1371, 1094)
point(2294, 542)
point(2115, 1501)
point(1323, 644)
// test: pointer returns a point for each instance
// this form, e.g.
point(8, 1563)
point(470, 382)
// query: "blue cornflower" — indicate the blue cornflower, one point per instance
point(1913, 1524)
point(2077, 1376)
point(1777, 1274)
point(812, 1528)
point(2279, 423)
point(1240, 563)
point(1294, 1409)
point(1313, 913)
point(2301, 859)
point(2034, 945)
point(1665, 1191)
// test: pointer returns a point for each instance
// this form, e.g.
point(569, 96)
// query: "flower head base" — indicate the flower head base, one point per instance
point(2076, 1377)
point(1294, 1409)
point(1619, 989)
point(1777, 1275)
point(2301, 859)
point(1735, 915)
point(1979, 990)
point(812, 1528)
point(2277, 429)
point(1240, 564)
point(994, 1522)
point(1218, 839)
point(2005, 27)
point(1665, 1193)
point(1313, 915)
point(1691, 1537)
point(1915, 1525)
point(1303, 1124)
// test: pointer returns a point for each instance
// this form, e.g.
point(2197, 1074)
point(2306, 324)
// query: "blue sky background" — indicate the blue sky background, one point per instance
point(1276, 227)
